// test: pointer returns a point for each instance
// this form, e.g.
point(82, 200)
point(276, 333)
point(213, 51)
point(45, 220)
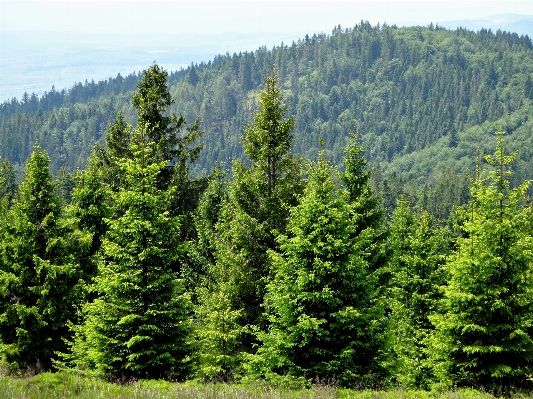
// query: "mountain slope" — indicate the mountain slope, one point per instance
point(410, 89)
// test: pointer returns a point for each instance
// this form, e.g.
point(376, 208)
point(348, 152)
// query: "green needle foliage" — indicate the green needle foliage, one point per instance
point(7, 180)
point(366, 204)
point(41, 280)
point(484, 334)
point(418, 252)
point(219, 336)
point(324, 322)
point(259, 199)
point(139, 324)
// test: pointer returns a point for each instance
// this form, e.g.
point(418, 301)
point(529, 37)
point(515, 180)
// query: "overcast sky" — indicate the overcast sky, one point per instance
point(170, 17)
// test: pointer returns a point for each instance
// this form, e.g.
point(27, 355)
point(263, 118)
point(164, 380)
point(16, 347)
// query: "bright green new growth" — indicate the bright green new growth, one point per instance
point(484, 335)
point(320, 303)
point(418, 253)
point(219, 335)
point(139, 324)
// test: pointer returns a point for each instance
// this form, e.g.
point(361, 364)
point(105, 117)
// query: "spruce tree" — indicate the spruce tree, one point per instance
point(484, 335)
point(356, 178)
point(41, 279)
point(219, 334)
point(7, 180)
point(139, 325)
point(418, 252)
point(324, 321)
point(260, 196)
point(91, 205)
point(172, 140)
point(200, 256)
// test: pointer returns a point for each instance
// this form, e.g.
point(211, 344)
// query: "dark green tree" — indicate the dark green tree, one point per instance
point(173, 142)
point(91, 205)
point(260, 196)
point(484, 334)
point(64, 184)
point(201, 257)
point(41, 279)
point(324, 321)
point(7, 180)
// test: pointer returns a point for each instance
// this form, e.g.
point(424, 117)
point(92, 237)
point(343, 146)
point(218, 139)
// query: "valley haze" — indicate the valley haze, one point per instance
point(45, 44)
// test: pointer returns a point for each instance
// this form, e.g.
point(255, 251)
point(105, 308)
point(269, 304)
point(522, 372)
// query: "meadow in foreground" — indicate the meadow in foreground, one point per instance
point(68, 385)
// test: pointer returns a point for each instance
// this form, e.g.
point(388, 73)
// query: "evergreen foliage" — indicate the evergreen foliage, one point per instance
point(411, 89)
point(325, 322)
point(7, 180)
point(139, 324)
point(483, 335)
point(419, 249)
point(149, 271)
point(259, 199)
point(41, 280)
point(201, 251)
point(366, 203)
point(219, 335)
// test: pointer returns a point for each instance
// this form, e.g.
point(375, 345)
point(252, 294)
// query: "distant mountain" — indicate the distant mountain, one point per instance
point(520, 24)
point(424, 99)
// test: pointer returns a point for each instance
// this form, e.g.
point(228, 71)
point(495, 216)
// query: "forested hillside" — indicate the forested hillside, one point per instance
point(424, 99)
point(287, 270)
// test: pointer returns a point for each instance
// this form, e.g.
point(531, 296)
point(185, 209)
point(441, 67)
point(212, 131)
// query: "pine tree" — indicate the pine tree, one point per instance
point(41, 281)
point(139, 324)
point(484, 334)
point(324, 320)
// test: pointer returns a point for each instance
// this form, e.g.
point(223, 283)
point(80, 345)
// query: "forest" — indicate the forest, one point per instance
point(279, 216)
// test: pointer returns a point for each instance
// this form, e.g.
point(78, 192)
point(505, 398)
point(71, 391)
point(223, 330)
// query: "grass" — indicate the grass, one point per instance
point(67, 385)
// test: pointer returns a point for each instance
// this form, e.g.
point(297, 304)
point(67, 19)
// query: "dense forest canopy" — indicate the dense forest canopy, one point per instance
point(424, 99)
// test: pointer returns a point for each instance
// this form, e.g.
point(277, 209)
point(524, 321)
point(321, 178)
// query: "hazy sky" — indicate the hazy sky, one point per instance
point(78, 44)
point(168, 17)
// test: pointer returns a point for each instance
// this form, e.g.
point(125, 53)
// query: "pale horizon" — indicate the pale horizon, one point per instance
point(45, 43)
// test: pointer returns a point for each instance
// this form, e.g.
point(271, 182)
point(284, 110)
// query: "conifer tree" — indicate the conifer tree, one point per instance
point(41, 280)
point(219, 334)
point(418, 252)
point(201, 258)
point(324, 321)
point(484, 334)
point(356, 179)
point(91, 205)
point(218, 329)
point(259, 199)
point(139, 324)
point(172, 140)
point(7, 180)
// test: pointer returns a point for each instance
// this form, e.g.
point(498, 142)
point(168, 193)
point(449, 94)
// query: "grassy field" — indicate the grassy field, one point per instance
point(63, 385)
